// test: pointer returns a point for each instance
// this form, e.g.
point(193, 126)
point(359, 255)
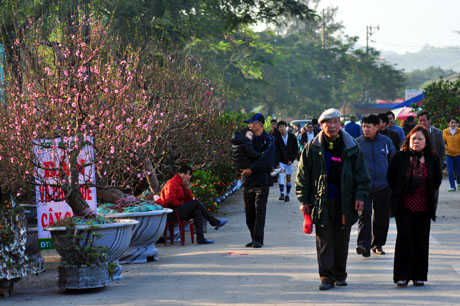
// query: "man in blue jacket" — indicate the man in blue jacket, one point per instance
point(377, 150)
point(353, 128)
point(257, 181)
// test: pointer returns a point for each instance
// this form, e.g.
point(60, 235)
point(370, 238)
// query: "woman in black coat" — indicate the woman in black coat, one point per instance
point(414, 175)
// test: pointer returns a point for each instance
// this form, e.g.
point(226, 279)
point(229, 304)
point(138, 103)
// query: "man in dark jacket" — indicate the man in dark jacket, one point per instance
point(383, 130)
point(353, 128)
point(286, 153)
point(377, 150)
point(332, 183)
point(257, 181)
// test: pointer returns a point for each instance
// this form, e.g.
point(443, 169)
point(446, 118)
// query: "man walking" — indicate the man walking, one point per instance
point(286, 152)
point(257, 181)
point(332, 183)
point(389, 133)
point(377, 150)
point(392, 126)
point(436, 135)
point(353, 128)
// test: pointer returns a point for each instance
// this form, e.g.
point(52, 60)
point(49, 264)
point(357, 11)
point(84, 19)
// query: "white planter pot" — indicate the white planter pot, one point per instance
point(115, 236)
point(150, 228)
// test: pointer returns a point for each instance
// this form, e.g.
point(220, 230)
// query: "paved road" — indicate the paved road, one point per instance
point(284, 272)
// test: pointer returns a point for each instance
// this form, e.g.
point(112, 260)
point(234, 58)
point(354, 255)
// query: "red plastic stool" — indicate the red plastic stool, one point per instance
point(181, 223)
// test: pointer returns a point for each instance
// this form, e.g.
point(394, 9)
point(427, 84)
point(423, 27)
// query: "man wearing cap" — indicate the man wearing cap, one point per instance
point(332, 183)
point(257, 181)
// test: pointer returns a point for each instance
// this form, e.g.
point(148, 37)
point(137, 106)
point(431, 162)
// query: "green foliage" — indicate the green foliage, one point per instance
point(81, 249)
point(442, 101)
point(207, 185)
point(419, 78)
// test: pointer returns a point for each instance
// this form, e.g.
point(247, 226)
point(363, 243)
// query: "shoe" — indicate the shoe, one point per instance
point(275, 172)
point(281, 198)
point(222, 223)
point(378, 250)
point(286, 199)
point(451, 189)
point(257, 245)
point(326, 286)
point(418, 283)
point(249, 244)
point(401, 283)
point(206, 241)
point(362, 251)
point(341, 283)
point(458, 187)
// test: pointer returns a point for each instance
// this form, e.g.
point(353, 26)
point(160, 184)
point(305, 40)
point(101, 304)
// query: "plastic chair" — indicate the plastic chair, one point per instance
point(181, 224)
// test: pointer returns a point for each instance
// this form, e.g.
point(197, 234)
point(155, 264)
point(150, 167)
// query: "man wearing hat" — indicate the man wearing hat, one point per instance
point(332, 183)
point(257, 181)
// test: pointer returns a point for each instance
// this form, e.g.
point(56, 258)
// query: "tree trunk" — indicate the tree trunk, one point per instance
point(110, 195)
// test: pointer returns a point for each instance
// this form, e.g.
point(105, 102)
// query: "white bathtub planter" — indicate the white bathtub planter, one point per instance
point(150, 228)
point(114, 236)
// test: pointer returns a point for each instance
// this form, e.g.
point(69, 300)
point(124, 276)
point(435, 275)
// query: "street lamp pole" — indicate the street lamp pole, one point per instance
point(370, 30)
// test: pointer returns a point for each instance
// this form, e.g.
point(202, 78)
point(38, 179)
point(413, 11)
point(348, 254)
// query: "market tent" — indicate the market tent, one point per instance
point(414, 100)
point(404, 112)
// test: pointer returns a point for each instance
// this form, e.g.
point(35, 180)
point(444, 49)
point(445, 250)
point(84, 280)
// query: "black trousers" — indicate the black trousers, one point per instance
point(412, 246)
point(196, 210)
point(255, 207)
point(332, 246)
point(374, 220)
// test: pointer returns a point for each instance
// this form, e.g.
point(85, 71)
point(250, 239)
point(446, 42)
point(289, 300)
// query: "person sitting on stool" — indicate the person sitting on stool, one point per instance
point(177, 195)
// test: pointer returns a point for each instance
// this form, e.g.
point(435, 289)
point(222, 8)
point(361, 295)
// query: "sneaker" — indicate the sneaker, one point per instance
point(451, 189)
point(275, 172)
point(418, 283)
point(458, 187)
point(286, 199)
point(341, 283)
point(326, 286)
point(281, 198)
point(401, 283)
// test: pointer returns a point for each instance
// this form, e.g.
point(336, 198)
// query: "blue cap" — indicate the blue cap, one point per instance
point(256, 117)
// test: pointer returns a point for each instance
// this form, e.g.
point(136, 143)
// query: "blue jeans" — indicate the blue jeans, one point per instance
point(453, 167)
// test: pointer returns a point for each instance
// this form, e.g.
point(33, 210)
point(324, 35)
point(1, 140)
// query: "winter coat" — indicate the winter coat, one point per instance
point(353, 129)
point(437, 139)
point(174, 194)
point(393, 136)
point(377, 153)
point(261, 168)
point(286, 152)
point(397, 177)
point(311, 182)
point(243, 153)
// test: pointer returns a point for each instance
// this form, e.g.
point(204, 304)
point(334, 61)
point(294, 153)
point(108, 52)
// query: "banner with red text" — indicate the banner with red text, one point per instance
point(51, 158)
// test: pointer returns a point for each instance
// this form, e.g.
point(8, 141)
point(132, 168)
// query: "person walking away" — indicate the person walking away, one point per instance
point(409, 124)
point(392, 126)
point(257, 181)
point(414, 174)
point(374, 220)
point(353, 128)
point(452, 141)
point(286, 153)
point(383, 130)
point(331, 185)
point(176, 194)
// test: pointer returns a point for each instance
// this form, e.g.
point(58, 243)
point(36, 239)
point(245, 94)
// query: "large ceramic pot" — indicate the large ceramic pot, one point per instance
point(115, 236)
point(33, 251)
point(150, 228)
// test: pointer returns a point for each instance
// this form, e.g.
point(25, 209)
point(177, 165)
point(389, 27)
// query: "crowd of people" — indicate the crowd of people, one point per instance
point(346, 174)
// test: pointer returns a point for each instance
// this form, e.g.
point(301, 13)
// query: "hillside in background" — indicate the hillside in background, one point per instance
point(445, 58)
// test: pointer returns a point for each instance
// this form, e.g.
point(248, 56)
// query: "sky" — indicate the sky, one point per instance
point(404, 25)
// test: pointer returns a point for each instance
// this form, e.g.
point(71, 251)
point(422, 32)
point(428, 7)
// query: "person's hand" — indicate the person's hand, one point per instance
point(304, 208)
point(246, 172)
point(359, 205)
